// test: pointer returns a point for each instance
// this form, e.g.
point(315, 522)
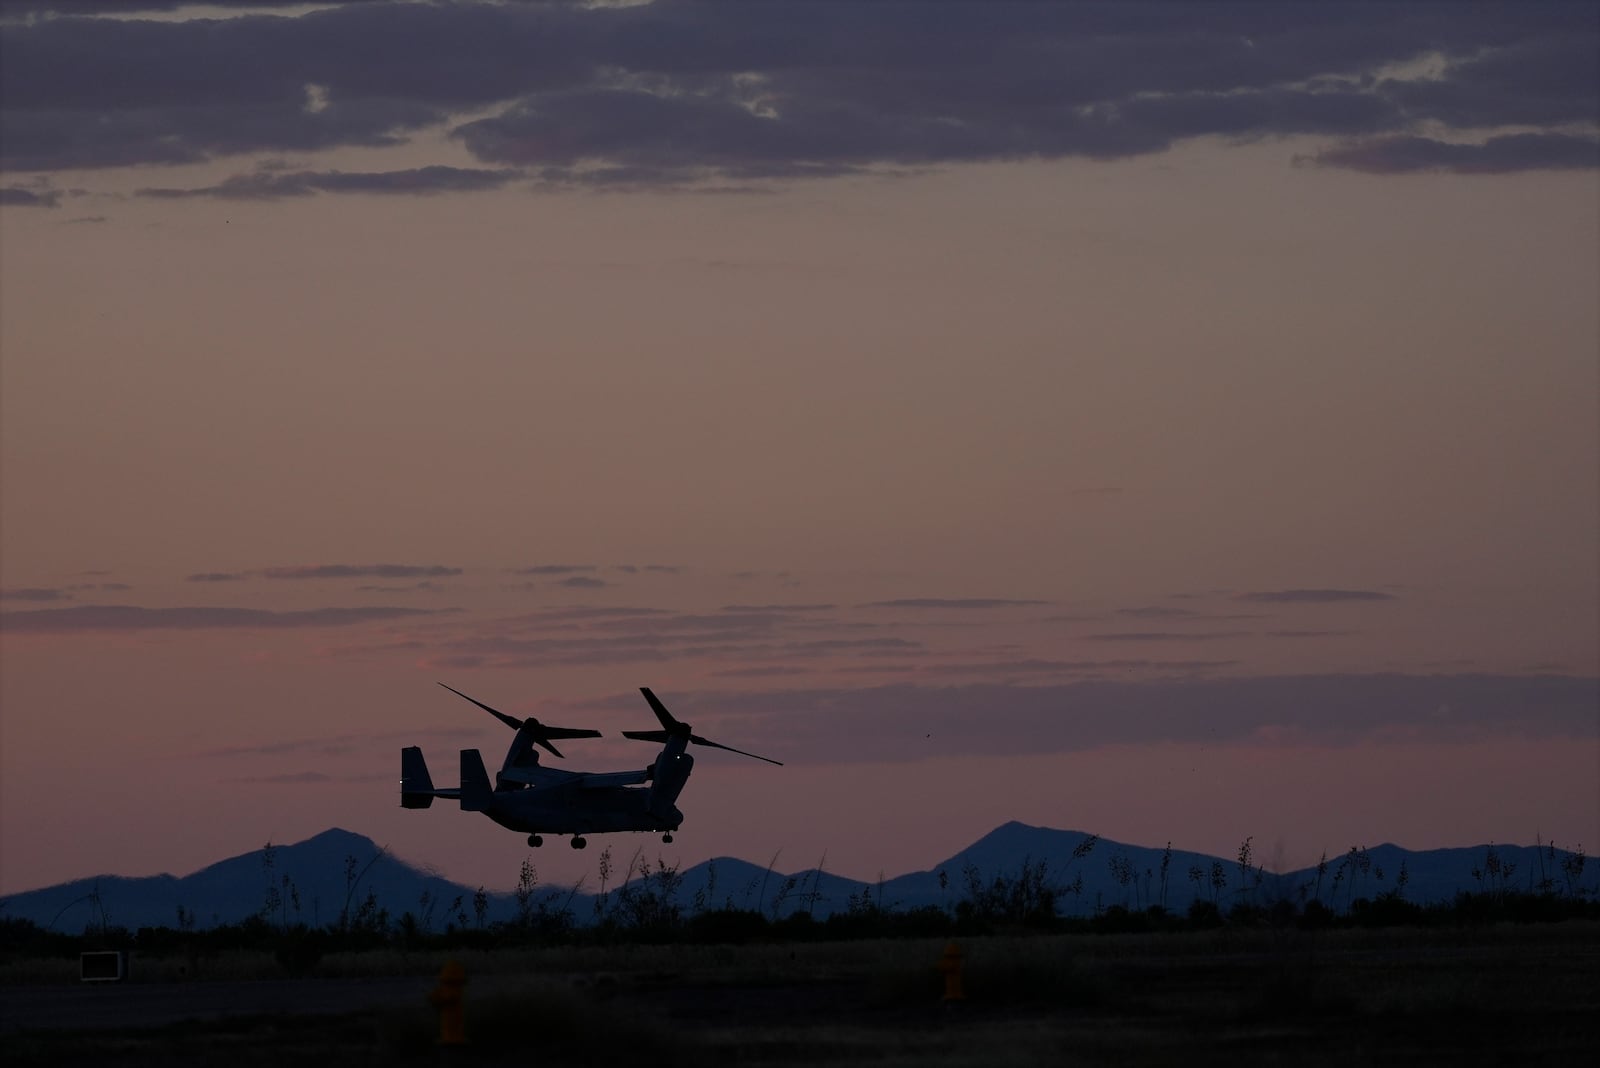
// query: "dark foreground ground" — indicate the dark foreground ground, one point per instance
point(1524, 995)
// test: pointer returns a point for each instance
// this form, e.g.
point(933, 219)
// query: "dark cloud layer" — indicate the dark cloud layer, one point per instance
point(270, 184)
point(129, 7)
point(1312, 596)
point(343, 571)
point(554, 569)
point(103, 617)
point(35, 593)
point(951, 602)
point(767, 608)
point(1165, 636)
point(676, 91)
point(18, 197)
point(1497, 155)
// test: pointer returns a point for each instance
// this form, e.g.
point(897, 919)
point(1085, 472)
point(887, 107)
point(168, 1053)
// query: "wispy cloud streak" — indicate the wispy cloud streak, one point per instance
point(89, 618)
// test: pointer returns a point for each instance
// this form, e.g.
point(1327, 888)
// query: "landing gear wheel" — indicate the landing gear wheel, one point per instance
point(667, 838)
point(535, 841)
point(578, 841)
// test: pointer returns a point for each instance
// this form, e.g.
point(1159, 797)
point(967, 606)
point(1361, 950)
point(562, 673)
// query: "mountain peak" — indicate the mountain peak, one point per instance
point(338, 836)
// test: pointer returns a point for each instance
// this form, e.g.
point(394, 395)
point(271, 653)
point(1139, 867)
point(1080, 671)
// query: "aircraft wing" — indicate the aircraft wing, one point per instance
point(558, 778)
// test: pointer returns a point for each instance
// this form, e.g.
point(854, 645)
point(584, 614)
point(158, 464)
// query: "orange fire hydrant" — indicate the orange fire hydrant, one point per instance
point(950, 966)
point(446, 997)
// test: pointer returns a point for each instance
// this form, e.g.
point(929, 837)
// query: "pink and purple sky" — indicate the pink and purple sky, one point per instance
point(1173, 422)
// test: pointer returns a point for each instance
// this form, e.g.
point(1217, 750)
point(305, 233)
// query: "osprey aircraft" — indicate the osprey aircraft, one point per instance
point(536, 800)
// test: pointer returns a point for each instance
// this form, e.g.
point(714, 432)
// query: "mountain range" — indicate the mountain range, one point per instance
point(314, 881)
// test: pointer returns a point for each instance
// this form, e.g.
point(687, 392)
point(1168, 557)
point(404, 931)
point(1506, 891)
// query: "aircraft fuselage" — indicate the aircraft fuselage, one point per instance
point(589, 811)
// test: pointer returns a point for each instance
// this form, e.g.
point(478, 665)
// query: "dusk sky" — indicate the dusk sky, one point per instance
point(1171, 421)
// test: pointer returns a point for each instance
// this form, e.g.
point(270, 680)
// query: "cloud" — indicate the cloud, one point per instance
point(214, 576)
point(342, 571)
point(560, 618)
point(1311, 633)
point(878, 723)
point(1505, 154)
point(425, 584)
point(951, 602)
point(1038, 666)
point(125, 7)
point(102, 617)
point(278, 185)
point(732, 95)
point(779, 608)
point(18, 197)
point(554, 569)
point(582, 582)
point(1312, 596)
point(35, 593)
point(590, 635)
point(859, 646)
point(1155, 612)
point(769, 671)
point(1166, 636)
point(335, 745)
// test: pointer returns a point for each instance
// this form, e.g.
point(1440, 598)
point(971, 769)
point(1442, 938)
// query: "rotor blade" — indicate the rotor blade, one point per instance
point(539, 741)
point(514, 724)
point(565, 732)
point(659, 709)
point(696, 739)
point(647, 736)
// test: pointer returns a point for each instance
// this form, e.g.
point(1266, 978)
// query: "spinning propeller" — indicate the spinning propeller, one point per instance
point(535, 731)
point(672, 728)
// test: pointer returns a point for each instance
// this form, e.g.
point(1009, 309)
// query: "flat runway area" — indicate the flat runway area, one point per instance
point(116, 1006)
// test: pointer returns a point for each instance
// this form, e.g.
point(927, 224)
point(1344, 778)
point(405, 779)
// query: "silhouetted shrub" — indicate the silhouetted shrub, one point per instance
point(1316, 916)
point(1119, 920)
point(1388, 910)
point(299, 950)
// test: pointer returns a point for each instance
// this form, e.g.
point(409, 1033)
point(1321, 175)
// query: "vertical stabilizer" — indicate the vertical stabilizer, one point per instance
point(475, 790)
point(416, 786)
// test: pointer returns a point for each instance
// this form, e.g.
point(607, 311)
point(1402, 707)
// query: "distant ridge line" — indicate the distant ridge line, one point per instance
point(1106, 873)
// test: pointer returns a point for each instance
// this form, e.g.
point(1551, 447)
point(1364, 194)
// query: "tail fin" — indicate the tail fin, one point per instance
point(475, 788)
point(416, 785)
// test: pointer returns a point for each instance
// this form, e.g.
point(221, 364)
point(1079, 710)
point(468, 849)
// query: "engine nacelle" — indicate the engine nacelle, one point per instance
point(671, 773)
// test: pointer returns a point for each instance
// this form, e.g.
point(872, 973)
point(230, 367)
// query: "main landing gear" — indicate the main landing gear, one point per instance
point(535, 840)
point(578, 841)
point(667, 838)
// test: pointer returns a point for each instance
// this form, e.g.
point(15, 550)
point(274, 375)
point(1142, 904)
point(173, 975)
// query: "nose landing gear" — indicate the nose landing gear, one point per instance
point(535, 840)
point(667, 838)
point(578, 841)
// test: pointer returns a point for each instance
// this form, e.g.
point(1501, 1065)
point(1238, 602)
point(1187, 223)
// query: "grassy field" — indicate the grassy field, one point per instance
point(1524, 994)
